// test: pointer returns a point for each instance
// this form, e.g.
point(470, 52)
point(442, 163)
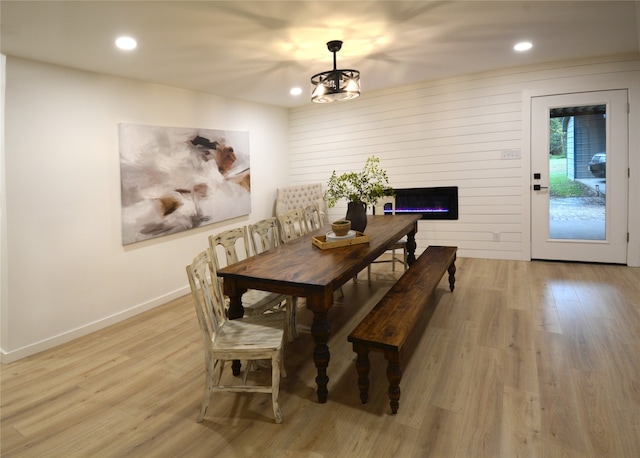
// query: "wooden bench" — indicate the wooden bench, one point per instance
point(386, 328)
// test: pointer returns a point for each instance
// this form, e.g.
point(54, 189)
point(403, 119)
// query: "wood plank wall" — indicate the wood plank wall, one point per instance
point(449, 132)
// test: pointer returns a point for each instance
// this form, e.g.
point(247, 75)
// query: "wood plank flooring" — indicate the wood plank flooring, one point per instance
point(530, 359)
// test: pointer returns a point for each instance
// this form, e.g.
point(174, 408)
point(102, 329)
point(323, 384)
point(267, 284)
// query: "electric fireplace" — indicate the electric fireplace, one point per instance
point(432, 203)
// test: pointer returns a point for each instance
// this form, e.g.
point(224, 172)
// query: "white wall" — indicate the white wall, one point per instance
point(452, 132)
point(68, 273)
point(64, 270)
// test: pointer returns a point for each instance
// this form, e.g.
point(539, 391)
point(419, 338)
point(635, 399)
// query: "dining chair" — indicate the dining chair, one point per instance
point(250, 338)
point(298, 196)
point(311, 217)
point(291, 225)
point(389, 203)
point(313, 220)
point(234, 244)
point(263, 236)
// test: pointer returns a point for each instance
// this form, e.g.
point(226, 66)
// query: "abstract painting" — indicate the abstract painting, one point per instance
point(174, 179)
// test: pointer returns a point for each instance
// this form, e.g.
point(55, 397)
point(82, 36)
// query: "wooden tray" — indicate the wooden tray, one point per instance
point(321, 241)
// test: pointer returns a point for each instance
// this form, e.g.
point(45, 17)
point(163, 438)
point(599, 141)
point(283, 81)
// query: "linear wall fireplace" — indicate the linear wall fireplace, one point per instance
point(433, 203)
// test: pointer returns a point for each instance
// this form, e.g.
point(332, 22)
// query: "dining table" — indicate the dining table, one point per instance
point(299, 268)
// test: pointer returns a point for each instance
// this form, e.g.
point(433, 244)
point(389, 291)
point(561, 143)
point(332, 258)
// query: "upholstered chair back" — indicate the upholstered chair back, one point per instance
point(296, 197)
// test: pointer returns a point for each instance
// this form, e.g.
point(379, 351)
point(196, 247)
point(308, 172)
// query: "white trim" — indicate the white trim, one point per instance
point(89, 328)
point(526, 172)
point(4, 258)
point(632, 85)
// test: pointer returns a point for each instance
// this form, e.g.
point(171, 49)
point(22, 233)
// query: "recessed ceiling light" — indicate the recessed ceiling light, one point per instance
point(523, 46)
point(295, 91)
point(126, 43)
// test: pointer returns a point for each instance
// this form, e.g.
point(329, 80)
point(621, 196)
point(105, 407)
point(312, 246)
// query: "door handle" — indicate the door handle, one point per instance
point(537, 187)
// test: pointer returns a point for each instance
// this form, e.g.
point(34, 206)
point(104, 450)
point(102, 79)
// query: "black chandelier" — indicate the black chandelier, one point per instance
point(335, 85)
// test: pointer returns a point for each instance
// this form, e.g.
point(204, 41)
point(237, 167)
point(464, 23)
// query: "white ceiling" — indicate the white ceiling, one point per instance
point(258, 50)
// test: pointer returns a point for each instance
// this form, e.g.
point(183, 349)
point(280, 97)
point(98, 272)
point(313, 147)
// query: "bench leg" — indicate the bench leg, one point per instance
point(362, 366)
point(452, 274)
point(394, 374)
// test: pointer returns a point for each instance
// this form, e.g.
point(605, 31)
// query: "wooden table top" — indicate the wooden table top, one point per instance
point(298, 267)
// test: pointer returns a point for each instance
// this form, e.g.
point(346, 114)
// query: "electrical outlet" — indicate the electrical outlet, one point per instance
point(496, 236)
point(511, 154)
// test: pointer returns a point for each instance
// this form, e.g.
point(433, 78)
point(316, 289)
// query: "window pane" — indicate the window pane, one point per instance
point(577, 173)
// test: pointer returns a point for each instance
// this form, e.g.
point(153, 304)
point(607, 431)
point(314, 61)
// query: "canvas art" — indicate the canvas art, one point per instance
point(174, 179)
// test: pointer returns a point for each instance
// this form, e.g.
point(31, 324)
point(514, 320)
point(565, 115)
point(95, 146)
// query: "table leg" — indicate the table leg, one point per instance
point(320, 330)
point(236, 310)
point(452, 274)
point(411, 245)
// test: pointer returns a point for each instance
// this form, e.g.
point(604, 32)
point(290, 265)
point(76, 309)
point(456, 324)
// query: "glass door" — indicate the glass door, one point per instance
point(579, 182)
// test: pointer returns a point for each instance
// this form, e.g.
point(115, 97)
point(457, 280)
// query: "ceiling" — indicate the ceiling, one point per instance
point(259, 50)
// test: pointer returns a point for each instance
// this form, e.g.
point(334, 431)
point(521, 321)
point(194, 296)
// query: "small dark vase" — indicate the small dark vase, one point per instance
point(357, 214)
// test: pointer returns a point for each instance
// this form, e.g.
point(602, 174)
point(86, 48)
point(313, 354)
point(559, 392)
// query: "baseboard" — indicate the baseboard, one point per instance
point(14, 355)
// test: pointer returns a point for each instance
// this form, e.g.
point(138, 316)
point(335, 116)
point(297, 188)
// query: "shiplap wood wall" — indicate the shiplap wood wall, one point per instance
point(449, 132)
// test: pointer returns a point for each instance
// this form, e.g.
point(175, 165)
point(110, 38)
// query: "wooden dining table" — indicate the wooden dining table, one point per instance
point(300, 269)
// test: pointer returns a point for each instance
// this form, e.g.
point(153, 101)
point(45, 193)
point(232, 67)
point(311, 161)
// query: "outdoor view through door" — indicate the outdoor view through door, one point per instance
point(577, 172)
point(579, 183)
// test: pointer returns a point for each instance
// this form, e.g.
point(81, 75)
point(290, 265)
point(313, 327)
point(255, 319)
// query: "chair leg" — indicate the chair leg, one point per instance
point(283, 371)
point(211, 379)
point(393, 260)
point(404, 258)
point(275, 386)
point(205, 399)
point(249, 366)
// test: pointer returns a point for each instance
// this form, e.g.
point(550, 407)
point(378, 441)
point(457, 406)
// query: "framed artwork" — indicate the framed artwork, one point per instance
point(174, 179)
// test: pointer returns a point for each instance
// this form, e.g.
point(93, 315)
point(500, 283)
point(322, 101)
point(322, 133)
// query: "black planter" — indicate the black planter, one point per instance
point(357, 214)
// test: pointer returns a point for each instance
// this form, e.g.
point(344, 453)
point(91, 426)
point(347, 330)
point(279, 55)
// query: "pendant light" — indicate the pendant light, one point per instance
point(335, 85)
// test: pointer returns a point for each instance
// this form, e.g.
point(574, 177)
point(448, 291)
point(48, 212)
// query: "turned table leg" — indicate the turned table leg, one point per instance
point(236, 311)
point(411, 245)
point(320, 330)
point(452, 274)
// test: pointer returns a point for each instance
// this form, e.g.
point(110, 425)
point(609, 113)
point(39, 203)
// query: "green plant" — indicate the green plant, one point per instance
point(557, 137)
point(362, 187)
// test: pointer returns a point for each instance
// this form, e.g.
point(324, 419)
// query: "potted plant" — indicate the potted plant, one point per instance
point(359, 189)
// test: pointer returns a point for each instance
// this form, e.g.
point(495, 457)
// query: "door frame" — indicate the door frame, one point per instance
point(612, 248)
point(601, 83)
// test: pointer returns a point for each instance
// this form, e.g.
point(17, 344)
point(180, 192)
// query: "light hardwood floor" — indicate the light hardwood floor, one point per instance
point(530, 359)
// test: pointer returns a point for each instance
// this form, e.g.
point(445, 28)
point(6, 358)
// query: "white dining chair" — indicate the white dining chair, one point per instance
point(250, 338)
point(234, 244)
point(291, 225)
point(264, 235)
point(389, 203)
point(311, 217)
